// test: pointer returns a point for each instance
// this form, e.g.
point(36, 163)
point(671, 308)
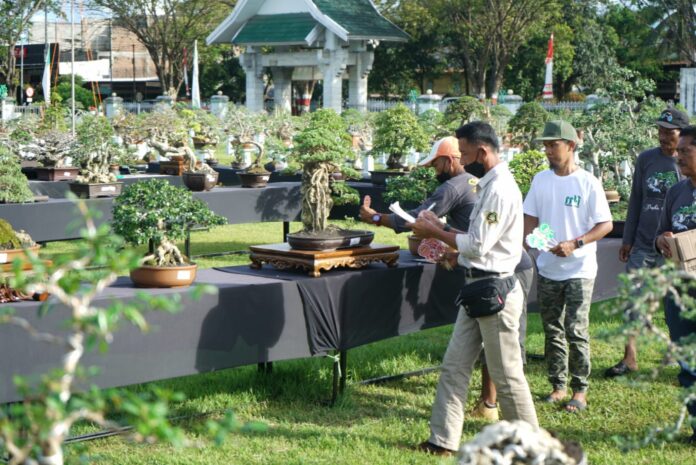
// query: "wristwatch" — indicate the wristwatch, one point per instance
point(579, 242)
point(376, 218)
point(447, 228)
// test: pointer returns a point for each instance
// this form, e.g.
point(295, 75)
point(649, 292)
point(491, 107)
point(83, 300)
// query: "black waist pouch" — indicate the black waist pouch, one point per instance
point(485, 297)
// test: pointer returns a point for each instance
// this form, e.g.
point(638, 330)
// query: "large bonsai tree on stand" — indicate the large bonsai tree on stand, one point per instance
point(321, 148)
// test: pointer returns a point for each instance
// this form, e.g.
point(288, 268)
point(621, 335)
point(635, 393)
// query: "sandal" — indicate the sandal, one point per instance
point(620, 369)
point(577, 406)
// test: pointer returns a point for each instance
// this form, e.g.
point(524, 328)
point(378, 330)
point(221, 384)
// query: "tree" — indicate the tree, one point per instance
point(166, 28)
point(675, 26)
point(414, 61)
point(484, 35)
point(15, 18)
point(220, 71)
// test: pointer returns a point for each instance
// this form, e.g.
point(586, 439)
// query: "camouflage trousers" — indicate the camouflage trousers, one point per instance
point(565, 314)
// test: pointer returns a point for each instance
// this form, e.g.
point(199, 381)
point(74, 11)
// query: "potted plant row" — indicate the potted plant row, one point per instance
point(158, 214)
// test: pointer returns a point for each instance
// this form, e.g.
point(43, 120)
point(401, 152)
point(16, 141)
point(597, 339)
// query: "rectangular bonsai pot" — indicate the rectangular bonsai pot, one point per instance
point(92, 191)
point(52, 173)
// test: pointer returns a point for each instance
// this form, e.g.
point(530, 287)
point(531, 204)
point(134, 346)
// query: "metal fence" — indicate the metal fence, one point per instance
point(378, 105)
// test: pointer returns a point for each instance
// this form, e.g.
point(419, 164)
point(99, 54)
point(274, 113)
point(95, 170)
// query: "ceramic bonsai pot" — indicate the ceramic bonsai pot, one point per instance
point(331, 240)
point(379, 178)
point(94, 190)
point(413, 243)
point(52, 173)
point(254, 179)
point(171, 276)
point(8, 255)
point(612, 196)
point(198, 182)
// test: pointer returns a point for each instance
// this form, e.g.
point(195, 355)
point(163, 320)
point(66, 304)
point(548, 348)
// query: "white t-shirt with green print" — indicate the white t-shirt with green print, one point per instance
point(571, 205)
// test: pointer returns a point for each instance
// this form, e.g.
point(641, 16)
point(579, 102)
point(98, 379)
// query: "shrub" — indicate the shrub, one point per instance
point(525, 166)
point(14, 187)
point(527, 123)
point(415, 187)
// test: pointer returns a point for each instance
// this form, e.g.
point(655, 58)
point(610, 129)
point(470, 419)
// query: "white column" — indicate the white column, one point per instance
point(251, 61)
point(333, 64)
point(282, 88)
point(357, 87)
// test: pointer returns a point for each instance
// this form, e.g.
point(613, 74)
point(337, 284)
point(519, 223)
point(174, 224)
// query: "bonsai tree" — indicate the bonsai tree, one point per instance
point(397, 133)
point(11, 239)
point(14, 186)
point(525, 166)
point(464, 110)
point(97, 148)
point(51, 148)
point(320, 148)
point(165, 130)
point(157, 213)
point(433, 124)
point(415, 187)
point(243, 127)
point(527, 123)
point(205, 126)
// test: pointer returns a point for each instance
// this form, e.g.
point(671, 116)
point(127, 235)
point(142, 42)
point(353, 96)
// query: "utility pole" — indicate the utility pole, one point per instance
point(72, 64)
point(21, 73)
point(111, 54)
point(134, 91)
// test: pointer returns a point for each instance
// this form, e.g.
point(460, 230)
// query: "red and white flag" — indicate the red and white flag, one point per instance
point(548, 80)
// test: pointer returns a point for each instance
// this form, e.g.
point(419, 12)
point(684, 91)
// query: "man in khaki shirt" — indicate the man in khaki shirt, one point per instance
point(492, 247)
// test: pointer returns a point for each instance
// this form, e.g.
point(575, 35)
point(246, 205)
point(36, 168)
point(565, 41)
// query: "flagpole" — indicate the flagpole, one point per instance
point(46, 80)
point(72, 63)
point(547, 93)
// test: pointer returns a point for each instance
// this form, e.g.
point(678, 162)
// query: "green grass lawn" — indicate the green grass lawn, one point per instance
point(377, 424)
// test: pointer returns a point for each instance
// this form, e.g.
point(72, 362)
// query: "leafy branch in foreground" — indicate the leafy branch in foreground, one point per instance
point(34, 431)
point(641, 294)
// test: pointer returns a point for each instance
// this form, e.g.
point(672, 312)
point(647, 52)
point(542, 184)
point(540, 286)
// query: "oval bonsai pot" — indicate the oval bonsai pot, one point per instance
point(168, 276)
point(95, 190)
point(254, 179)
point(198, 182)
point(612, 196)
point(413, 243)
point(379, 178)
point(333, 240)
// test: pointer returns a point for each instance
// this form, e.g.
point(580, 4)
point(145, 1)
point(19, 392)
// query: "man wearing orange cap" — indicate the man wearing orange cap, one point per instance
point(454, 198)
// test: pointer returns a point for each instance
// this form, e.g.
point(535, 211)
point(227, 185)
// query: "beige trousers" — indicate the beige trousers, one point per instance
point(499, 334)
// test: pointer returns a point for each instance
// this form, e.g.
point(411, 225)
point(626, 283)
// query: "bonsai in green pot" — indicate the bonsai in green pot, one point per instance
point(158, 214)
point(398, 132)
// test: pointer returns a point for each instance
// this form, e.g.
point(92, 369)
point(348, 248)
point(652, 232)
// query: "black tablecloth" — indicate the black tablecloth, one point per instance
point(252, 319)
point(261, 316)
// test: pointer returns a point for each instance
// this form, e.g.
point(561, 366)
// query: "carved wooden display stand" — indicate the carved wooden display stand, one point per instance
point(283, 257)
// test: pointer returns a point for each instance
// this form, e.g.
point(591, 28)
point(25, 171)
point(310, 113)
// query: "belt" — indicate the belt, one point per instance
point(477, 273)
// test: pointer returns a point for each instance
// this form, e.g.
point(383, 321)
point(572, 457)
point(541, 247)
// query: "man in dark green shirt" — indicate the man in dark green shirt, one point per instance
point(655, 172)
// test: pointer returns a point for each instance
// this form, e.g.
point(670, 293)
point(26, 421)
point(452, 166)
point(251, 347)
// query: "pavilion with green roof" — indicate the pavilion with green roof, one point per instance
point(331, 40)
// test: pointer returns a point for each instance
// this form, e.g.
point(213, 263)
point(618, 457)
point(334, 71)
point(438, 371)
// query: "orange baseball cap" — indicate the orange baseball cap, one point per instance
point(445, 147)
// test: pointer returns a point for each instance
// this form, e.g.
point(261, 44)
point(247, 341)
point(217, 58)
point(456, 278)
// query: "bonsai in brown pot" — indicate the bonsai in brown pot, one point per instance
point(54, 151)
point(198, 176)
point(256, 175)
point(158, 214)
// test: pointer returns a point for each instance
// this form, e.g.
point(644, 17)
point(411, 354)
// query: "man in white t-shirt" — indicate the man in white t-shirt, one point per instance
point(572, 202)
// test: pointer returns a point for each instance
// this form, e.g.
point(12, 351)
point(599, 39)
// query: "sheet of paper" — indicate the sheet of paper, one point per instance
point(396, 209)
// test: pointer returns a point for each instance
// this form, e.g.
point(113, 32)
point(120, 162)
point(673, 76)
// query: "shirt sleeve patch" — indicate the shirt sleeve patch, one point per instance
point(491, 218)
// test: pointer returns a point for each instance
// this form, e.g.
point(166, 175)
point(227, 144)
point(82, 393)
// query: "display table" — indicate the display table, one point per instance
point(261, 316)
